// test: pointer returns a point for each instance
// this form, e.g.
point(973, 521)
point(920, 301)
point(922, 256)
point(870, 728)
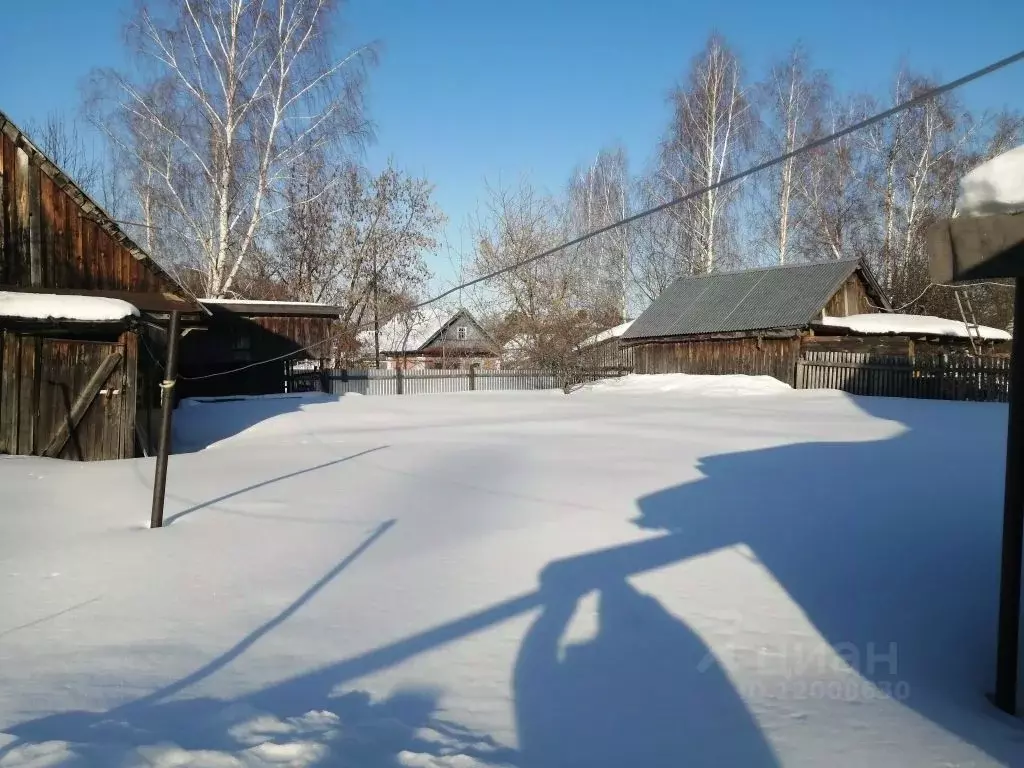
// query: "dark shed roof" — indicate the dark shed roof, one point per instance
point(753, 299)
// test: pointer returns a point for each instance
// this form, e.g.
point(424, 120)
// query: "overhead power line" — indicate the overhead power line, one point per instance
point(903, 106)
point(810, 146)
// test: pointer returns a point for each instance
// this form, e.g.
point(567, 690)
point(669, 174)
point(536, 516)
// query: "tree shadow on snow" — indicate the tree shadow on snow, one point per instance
point(347, 729)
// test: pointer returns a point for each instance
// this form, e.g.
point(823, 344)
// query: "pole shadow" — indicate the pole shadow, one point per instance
point(212, 502)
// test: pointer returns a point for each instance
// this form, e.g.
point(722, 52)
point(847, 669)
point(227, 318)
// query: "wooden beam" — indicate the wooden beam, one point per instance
point(81, 405)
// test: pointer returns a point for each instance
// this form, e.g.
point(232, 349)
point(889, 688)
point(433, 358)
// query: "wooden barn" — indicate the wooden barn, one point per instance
point(752, 321)
point(766, 321)
point(77, 297)
point(238, 332)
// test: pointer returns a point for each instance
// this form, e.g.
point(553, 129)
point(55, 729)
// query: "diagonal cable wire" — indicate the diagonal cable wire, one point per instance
point(903, 106)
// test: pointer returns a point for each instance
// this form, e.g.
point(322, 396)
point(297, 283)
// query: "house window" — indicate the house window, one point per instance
point(461, 333)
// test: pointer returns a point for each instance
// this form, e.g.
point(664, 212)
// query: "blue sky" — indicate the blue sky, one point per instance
point(475, 91)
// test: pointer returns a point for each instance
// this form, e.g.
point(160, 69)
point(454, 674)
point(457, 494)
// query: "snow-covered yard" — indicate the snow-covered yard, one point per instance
point(672, 572)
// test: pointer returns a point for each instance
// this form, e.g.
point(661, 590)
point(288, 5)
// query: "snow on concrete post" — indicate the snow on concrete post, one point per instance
point(986, 240)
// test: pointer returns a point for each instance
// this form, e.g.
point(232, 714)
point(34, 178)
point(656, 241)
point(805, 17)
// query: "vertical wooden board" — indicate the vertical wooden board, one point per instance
point(101, 256)
point(35, 230)
point(129, 394)
point(3, 219)
point(55, 237)
point(91, 263)
point(85, 275)
point(22, 224)
point(75, 245)
point(46, 228)
point(9, 391)
point(27, 391)
point(48, 405)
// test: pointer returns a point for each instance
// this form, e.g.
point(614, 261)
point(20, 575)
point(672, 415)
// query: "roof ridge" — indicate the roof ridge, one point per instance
point(773, 267)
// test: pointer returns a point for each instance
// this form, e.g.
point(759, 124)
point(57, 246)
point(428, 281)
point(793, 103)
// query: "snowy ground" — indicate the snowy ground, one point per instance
point(664, 573)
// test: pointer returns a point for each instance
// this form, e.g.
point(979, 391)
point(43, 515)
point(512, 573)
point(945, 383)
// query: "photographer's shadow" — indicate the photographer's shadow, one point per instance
point(889, 547)
point(640, 692)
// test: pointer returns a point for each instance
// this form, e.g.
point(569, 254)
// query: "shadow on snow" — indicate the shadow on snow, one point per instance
point(878, 543)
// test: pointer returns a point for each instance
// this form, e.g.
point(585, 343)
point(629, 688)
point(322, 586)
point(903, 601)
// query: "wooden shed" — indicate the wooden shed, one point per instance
point(72, 381)
point(751, 321)
point(778, 321)
point(217, 356)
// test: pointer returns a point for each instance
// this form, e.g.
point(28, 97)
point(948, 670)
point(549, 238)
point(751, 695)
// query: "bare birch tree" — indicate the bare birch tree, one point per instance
point(711, 129)
point(832, 187)
point(226, 99)
point(791, 98)
point(599, 195)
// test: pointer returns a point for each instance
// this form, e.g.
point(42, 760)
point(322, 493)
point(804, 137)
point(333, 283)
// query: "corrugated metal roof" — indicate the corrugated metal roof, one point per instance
point(753, 299)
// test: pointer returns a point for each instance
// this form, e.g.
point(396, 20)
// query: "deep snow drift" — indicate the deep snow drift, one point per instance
point(665, 572)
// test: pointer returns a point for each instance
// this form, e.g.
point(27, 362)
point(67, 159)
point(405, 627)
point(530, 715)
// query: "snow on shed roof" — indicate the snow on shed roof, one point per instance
point(891, 323)
point(261, 307)
point(50, 306)
point(751, 299)
point(610, 333)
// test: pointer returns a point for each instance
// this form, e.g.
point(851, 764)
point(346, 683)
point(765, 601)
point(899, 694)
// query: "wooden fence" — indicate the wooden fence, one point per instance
point(427, 382)
point(983, 379)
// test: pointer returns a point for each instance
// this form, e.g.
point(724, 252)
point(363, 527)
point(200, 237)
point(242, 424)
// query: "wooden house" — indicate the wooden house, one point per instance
point(764, 321)
point(73, 371)
point(427, 340)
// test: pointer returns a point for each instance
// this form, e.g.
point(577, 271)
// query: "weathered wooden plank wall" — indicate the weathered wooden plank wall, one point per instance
point(231, 341)
point(49, 240)
point(851, 299)
point(40, 379)
point(944, 378)
point(749, 355)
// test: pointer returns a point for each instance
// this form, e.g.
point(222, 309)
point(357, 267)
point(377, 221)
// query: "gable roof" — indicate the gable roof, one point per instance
point(770, 297)
point(462, 314)
point(416, 330)
point(91, 209)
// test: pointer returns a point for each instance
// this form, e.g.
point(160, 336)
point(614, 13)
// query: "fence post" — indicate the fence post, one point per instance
point(325, 379)
point(472, 377)
point(398, 381)
point(798, 376)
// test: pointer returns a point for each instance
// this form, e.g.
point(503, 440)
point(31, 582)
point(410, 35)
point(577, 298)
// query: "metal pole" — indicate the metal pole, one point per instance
point(1008, 648)
point(156, 519)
